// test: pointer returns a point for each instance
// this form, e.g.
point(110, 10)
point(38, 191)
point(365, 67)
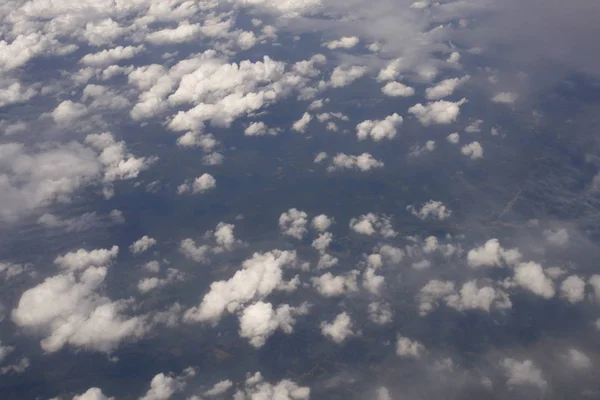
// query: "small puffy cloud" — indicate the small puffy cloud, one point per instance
point(259, 277)
point(339, 330)
point(531, 276)
point(194, 252)
point(444, 88)
point(372, 282)
point(492, 254)
point(322, 242)
point(329, 285)
point(259, 129)
point(118, 163)
point(473, 150)
point(301, 125)
point(184, 32)
point(559, 237)
point(81, 259)
point(474, 127)
point(397, 89)
point(10, 270)
point(371, 224)
point(256, 388)
point(379, 129)
point(225, 237)
point(92, 394)
point(219, 388)
point(594, 282)
point(293, 223)
point(110, 56)
point(469, 297)
point(407, 348)
point(392, 70)
point(363, 162)
point(383, 394)
point(453, 138)
point(14, 93)
point(322, 156)
point(259, 321)
point(321, 222)
point(505, 98)
point(431, 210)
point(148, 284)
point(195, 139)
point(454, 58)
point(572, 289)
point(523, 373)
point(438, 112)
point(142, 244)
point(202, 184)
point(68, 112)
point(380, 313)
point(346, 42)
point(577, 359)
point(345, 75)
point(163, 387)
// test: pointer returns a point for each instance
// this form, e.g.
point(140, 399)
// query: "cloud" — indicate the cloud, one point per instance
point(345, 75)
point(201, 184)
point(256, 388)
point(69, 310)
point(445, 88)
point(473, 150)
point(259, 129)
point(259, 277)
point(531, 276)
point(407, 348)
point(573, 289)
point(379, 129)
point(505, 98)
point(491, 254)
point(339, 330)
point(301, 125)
point(258, 321)
point(148, 284)
point(380, 313)
point(559, 237)
point(362, 162)
point(431, 210)
point(397, 89)
point(293, 223)
point(14, 93)
point(453, 138)
point(162, 386)
point(523, 373)
point(111, 56)
point(329, 285)
point(346, 42)
point(219, 388)
point(321, 222)
point(93, 394)
point(142, 244)
point(438, 112)
point(577, 359)
point(371, 224)
point(469, 297)
point(81, 259)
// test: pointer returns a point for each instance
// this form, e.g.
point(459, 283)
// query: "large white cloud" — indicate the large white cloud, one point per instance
point(68, 309)
point(531, 276)
point(259, 277)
